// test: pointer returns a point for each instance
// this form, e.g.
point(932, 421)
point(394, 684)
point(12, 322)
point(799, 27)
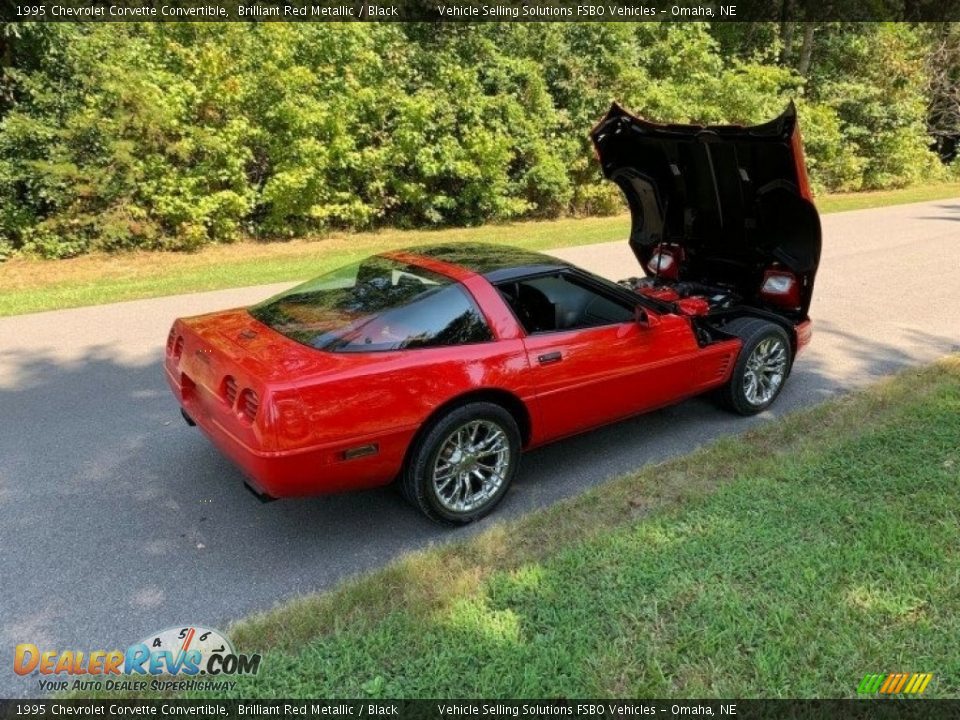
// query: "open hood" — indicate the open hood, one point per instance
point(734, 201)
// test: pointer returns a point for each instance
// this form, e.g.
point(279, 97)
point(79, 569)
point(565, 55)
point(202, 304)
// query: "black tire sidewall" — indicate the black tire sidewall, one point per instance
point(417, 478)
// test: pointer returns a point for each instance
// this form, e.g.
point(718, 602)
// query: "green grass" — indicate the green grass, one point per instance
point(787, 562)
point(32, 285)
point(841, 202)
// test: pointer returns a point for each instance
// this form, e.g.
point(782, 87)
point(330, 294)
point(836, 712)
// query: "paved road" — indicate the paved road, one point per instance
point(117, 520)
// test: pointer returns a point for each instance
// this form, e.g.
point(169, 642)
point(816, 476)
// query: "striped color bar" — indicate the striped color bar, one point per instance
point(894, 683)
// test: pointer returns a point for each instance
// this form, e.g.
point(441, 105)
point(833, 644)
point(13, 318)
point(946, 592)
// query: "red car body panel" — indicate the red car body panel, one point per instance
point(612, 372)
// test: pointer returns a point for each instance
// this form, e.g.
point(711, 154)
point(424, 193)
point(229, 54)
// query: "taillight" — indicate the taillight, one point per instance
point(665, 263)
point(229, 390)
point(780, 288)
point(248, 405)
point(292, 423)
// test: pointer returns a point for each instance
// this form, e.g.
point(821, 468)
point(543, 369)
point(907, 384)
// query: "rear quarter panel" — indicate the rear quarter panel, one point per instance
point(383, 400)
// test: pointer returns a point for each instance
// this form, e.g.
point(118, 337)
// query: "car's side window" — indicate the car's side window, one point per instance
point(560, 302)
point(379, 304)
point(442, 317)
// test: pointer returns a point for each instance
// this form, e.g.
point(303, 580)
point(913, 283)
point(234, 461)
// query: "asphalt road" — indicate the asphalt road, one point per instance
point(118, 520)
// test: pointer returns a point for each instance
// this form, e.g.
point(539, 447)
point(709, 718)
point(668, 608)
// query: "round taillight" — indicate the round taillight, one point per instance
point(229, 390)
point(293, 424)
point(248, 405)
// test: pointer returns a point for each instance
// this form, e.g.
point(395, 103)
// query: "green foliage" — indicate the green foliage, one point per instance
point(169, 136)
point(832, 161)
point(873, 80)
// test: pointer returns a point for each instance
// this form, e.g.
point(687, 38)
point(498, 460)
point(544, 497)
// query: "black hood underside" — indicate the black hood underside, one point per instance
point(735, 199)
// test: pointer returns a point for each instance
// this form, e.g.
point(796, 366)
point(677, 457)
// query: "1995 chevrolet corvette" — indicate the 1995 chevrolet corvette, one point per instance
point(436, 366)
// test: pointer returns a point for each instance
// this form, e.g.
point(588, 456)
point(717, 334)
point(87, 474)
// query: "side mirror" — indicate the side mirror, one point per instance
point(646, 318)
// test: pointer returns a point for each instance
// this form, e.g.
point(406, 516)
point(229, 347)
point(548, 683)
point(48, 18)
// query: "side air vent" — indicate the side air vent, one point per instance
point(178, 347)
point(230, 390)
point(249, 404)
point(723, 366)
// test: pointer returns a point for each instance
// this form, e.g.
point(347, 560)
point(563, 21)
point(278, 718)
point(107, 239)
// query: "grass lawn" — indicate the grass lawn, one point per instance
point(787, 562)
point(31, 285)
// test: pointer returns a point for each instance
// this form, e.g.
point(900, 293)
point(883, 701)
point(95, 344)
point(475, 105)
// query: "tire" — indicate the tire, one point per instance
point(432, 480)
point(762, 367)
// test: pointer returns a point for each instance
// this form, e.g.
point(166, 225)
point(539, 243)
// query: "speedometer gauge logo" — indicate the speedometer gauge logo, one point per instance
point(191, 650)
point(184, 639)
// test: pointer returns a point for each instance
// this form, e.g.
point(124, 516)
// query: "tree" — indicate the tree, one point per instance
point(943, 68)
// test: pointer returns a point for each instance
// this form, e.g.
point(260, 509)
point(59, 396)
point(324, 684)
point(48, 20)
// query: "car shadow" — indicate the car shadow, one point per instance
point(117, 519)
point(952, 213)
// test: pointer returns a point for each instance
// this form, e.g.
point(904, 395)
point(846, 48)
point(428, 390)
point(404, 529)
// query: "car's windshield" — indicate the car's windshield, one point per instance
point(379, 304)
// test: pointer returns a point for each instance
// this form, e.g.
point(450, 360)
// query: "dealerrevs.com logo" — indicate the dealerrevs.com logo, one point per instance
point(174, 659)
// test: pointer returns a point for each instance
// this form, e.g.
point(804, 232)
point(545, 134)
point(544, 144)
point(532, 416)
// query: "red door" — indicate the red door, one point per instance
point(588, 377)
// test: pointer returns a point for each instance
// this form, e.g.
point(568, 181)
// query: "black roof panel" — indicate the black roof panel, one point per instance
point(487, 259)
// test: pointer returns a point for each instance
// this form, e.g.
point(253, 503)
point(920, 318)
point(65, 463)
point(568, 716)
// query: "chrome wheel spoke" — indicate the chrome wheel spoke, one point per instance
point(491, 466)
point(765, 371)
point(445, 475)
point(491, 443)
point(471, 465)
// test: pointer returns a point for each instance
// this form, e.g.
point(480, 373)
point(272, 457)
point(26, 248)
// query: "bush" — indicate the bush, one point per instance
point(833, 161)
point(117, 136)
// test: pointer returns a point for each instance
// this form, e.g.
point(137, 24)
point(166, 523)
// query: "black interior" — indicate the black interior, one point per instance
point(559, 302)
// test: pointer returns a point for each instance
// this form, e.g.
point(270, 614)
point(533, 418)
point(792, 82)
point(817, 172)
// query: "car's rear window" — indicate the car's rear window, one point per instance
point(379, 304)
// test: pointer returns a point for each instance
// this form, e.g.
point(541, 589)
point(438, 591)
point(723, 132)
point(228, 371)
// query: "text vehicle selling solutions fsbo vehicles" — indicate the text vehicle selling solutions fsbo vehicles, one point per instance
point(436, 366)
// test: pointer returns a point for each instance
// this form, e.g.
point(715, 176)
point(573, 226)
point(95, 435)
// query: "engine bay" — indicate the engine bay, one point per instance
point(690, 298)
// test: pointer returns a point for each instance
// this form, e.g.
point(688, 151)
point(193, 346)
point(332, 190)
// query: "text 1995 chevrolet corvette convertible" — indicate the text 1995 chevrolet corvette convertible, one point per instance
point(436, 366)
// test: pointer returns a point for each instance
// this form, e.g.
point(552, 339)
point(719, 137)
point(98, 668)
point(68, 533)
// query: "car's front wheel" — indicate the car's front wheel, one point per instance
point(463, 464)
point(762, 367)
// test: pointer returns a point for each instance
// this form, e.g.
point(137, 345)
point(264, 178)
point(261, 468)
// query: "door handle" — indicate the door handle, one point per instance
point(550, 357)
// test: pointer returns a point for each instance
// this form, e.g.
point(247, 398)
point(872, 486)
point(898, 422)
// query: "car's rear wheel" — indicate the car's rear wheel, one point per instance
point(463, 464)
point(762, 367)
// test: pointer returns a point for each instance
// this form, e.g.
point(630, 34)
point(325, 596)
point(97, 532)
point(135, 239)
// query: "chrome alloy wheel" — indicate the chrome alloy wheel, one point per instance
point(766, 368)
point(471, 466)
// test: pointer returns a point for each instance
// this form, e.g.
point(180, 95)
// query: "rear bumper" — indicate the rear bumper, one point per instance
point(301, 472)
point(803, 333)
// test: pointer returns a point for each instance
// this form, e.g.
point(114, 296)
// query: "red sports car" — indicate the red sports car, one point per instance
point(436, 366)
